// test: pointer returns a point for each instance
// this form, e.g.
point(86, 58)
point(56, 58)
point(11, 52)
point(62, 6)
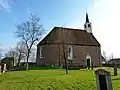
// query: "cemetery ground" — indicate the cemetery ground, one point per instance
point(53, 79)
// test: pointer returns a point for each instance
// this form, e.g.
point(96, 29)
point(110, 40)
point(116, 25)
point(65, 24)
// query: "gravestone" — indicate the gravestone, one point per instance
point(115, 70)
point(61, 66)
point(52, 66)
point(4, 68)
point(103, 80)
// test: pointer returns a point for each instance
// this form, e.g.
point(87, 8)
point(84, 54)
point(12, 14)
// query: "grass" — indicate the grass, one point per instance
point(52, 79)
point(43, 68)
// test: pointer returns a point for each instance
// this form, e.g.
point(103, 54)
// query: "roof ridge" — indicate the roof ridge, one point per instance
point(70, 28)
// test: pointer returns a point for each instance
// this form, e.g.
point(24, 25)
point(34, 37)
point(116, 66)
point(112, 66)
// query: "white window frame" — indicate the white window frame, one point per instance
point(41, 54)
point(71, 53)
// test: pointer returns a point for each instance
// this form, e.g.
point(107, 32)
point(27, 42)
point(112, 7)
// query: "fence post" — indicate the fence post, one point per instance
point(115, 70)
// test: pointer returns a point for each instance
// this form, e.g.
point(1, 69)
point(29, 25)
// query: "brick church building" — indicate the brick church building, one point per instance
point(81, 47)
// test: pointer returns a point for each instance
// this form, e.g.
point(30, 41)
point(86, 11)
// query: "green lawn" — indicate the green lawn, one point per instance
point(52, 79)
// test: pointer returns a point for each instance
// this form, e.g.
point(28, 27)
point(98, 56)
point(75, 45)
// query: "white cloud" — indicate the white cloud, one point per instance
point(105, 16)
point(4, 5)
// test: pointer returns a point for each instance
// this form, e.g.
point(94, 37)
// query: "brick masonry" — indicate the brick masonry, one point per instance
point(52, 54)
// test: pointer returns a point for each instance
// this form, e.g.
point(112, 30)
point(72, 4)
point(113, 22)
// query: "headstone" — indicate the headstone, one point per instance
point(61, 66)
point(0, 68)
point(115, 70)
point(103, 80)
point(4, 68)
point(52, 66)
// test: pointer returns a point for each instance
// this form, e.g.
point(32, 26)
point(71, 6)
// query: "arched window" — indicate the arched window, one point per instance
point(41, 52)
point(70, 52)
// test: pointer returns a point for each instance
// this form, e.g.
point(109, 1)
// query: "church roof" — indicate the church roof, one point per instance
point(69, 36)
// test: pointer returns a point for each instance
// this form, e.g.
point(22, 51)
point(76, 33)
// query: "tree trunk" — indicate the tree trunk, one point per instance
point(59, 55)
point(13, 62)
point(18, 64)
point(66, 66)
point(27, 65)
point(92, 66)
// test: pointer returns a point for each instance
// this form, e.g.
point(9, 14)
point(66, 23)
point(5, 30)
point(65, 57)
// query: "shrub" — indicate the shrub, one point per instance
point(18, 68)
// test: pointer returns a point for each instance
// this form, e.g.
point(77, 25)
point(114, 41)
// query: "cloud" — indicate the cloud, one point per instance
point(4, 49)
point(105, 16)
point(4, 5)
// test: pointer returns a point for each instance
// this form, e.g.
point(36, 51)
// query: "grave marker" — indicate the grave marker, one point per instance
point(4, 68)
point(103, 80)
point(115, 70)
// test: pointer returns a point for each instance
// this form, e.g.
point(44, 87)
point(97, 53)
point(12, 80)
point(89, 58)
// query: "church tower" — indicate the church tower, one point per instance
point(88, 25)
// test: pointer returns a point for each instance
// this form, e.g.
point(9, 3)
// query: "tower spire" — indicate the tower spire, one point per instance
point(87, 19)
point(88, 25)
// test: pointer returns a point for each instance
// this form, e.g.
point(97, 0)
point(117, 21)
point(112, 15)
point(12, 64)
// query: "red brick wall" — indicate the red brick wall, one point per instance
point(51, 55)
point(80, 52)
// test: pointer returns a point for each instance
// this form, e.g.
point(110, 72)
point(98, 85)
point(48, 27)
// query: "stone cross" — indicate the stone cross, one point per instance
point(103, 80)
point(4, 68)
point(115, 70)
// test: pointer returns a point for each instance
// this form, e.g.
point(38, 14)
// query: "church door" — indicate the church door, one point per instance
point(88, 63)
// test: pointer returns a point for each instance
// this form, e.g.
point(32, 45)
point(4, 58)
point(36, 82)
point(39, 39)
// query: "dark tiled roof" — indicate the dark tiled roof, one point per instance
point(114, 59)
point(77, 37)
point(7, 59)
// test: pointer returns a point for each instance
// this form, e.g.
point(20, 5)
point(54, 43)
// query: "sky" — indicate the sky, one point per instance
point(103, 14)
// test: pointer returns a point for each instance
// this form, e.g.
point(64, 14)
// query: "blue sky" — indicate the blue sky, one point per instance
point(69, 13)
point(51, 13)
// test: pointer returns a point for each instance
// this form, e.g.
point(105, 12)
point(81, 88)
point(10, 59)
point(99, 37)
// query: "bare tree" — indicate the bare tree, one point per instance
point(33, 54)
point(18, 53)
point(64, 51)
point(29, 31)
point(104, 55)
point(111, 57)
point(12, 53)
point(21, 52)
